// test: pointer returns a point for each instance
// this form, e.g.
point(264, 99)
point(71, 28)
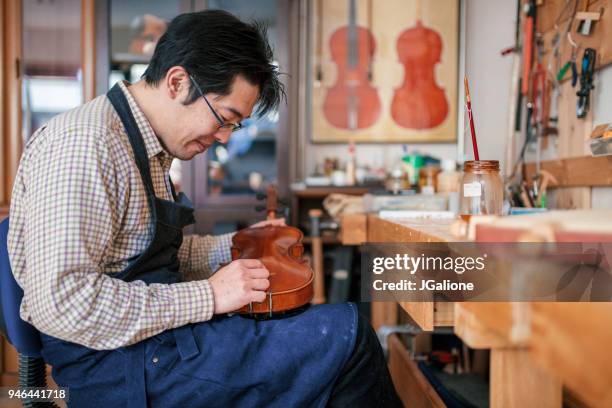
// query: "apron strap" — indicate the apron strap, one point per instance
point(122, 107)
point(173, 189)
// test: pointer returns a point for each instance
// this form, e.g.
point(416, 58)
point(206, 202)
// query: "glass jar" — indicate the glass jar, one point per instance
point(482, 189)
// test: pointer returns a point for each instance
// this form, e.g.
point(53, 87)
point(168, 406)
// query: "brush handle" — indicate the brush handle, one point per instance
point(472, 130)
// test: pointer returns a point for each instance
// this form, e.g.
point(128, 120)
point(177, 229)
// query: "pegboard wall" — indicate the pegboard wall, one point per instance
point(554, 17)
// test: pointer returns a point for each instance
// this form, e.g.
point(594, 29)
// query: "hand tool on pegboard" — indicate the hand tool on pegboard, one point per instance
point(528, 43)
point(586, 82)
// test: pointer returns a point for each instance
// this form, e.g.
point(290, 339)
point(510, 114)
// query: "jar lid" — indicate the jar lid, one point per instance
point(481, 165)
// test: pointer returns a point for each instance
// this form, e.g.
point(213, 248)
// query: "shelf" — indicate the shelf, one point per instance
point(322, 192)
point(130, 58)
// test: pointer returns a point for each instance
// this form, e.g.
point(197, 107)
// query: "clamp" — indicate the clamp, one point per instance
point(586, 82)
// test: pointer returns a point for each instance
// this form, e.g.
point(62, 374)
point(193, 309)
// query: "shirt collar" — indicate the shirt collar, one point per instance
point(151, 141)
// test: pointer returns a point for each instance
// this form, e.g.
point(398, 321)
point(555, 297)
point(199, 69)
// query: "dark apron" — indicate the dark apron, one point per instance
point(229, 361)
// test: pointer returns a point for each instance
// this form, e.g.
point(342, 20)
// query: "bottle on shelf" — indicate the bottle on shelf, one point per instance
point(449, 179)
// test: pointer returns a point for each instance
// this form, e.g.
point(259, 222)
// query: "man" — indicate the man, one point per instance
point(130, 312)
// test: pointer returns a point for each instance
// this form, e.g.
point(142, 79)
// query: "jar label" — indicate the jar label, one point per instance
point(473, 189)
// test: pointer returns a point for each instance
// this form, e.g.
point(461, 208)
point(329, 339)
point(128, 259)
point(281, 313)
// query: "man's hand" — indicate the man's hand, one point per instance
point(240, 282)
point(277, 221)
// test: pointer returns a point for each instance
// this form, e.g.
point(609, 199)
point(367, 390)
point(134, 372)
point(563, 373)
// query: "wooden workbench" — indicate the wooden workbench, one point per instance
point(536, 348)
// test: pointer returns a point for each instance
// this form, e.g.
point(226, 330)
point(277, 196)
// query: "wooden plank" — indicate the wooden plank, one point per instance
point(516, 381)
point(353, 229)
point(570, 340)
point(322, 192)
point(88, 48)
point(421, 312)
point(576, 171)
point(412, 387)
point(383, 314)
point(573, 340)
point(444, 313)
point(573, 198)
point(573, 134)
point(477, 334)
point(380, 230)
point(563, 226)
point(11, 95)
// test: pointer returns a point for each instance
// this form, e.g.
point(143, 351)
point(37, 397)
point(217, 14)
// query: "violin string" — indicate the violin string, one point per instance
point(319, 56)
point(369, 34)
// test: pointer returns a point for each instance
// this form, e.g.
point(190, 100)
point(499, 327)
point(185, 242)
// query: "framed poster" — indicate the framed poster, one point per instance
point(384, 70)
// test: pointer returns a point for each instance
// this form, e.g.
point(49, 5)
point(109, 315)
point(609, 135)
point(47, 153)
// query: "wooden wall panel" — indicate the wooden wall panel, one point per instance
point(600, 33)
point(10, 136)
point(88, 48)
point(573, 136)
point(576, 171)
point(10, 91)
point(573, 132)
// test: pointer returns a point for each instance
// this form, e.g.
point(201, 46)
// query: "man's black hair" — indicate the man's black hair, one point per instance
point(214, 47)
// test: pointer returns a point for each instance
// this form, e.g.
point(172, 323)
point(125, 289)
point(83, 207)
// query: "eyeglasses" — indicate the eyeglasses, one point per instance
point(222, 124)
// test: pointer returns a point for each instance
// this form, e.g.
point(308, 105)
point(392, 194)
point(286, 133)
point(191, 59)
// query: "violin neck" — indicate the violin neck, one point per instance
point(419, 10)
point(271, 202)
point(352, 38)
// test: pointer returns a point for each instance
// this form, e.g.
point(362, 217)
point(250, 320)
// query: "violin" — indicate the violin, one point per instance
point(419, 103)
point(352, 102)
point(281, 251)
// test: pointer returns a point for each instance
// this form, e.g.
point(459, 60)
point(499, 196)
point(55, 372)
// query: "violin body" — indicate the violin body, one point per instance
point(280, 249)
point(352, 102)
point(419, 103)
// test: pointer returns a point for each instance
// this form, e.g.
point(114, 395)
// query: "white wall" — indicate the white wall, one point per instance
point(490, 27)
point(602, 97)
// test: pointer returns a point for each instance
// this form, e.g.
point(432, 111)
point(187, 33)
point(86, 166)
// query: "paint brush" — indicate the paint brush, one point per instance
point(468, 104)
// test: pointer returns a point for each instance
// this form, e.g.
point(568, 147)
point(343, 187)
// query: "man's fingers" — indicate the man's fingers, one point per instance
point(251, 263)
point(260, 284)
point(258, 296)
point(259, 273)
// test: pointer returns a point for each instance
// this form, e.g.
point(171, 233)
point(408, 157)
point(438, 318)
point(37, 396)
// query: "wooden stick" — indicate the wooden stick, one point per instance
point(317, 256)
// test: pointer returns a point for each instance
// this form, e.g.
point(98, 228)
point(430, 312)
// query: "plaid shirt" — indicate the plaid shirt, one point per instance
point(78, 212)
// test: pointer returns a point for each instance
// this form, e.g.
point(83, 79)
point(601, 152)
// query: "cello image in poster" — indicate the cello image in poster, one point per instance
point(419, 103)
point(352, 102)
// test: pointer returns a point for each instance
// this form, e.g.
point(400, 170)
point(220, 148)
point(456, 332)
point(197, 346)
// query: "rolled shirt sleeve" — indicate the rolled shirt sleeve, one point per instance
point(202, 255)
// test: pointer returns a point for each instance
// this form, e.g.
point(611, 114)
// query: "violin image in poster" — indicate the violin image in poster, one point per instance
point(419, 103)
point(352, 103)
